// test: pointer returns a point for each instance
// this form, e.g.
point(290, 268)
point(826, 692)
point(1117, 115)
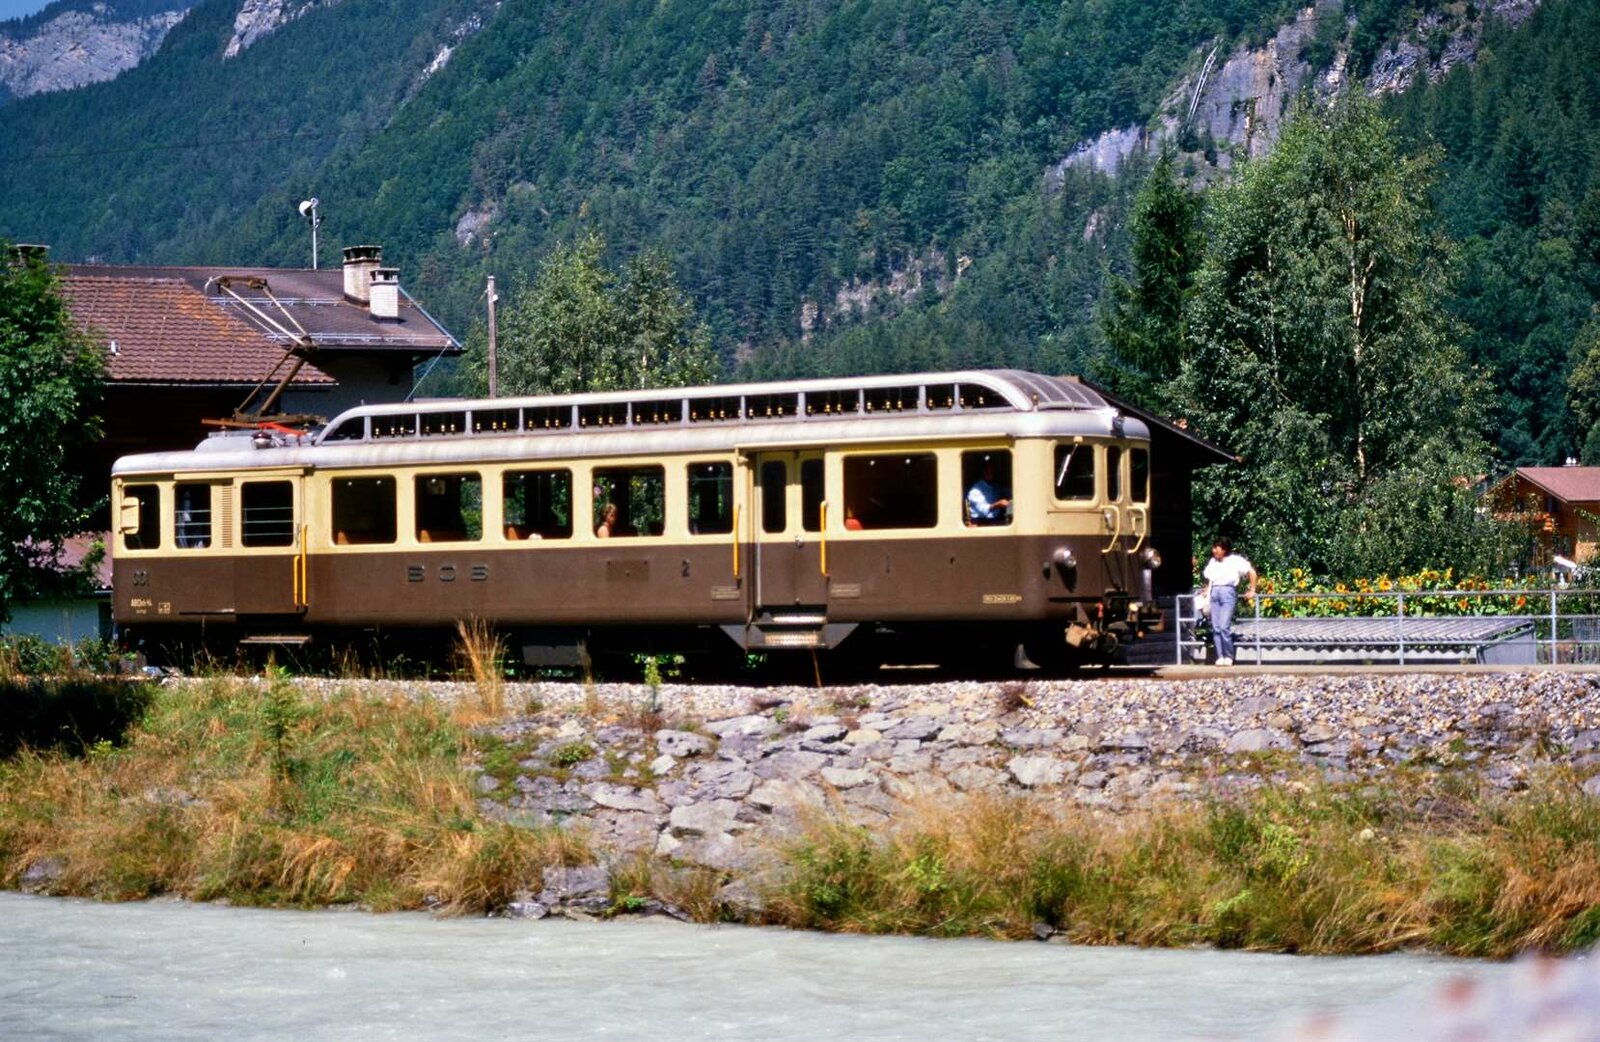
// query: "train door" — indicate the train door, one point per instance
point(789, 515)
point(270, 573)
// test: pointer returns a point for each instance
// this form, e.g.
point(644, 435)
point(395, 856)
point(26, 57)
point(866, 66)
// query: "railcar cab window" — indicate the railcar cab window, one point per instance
point(1113, 473)
point(986, 487)
point(449, 508)
point(266, 513)
point(537, 504)
point(899, 490)
point(629, 501)
point(710, 500)
point(1139, 475)
point(146, 515)
point(191, 515)
point(1074, 471)
point(363, 511)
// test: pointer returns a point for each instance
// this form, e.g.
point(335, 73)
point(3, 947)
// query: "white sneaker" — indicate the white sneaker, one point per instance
point(1224, 661)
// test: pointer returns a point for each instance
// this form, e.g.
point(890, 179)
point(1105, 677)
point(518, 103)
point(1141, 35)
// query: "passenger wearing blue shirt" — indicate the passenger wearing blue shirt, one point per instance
point(986, 503)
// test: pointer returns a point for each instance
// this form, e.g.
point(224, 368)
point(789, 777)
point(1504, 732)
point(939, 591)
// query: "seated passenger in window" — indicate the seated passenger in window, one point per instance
point(988, 504)
point(608, 522)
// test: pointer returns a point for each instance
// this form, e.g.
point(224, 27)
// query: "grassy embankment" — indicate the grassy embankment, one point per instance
point(265, 795)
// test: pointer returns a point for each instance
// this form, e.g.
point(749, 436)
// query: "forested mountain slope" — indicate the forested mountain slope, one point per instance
point(841, 185)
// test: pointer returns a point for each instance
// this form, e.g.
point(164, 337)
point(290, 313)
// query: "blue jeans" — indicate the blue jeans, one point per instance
point(1223, 601)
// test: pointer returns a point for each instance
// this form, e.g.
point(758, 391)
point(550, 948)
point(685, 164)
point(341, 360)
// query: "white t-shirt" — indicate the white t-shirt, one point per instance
point(1230, 571)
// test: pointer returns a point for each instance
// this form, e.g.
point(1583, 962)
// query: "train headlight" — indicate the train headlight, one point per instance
point(1064, 560)
point(1151, 557)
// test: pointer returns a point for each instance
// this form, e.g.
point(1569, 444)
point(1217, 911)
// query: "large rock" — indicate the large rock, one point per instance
point(722, 781)
point(1033, 771)
point(704, 819)
point(790, 765)
point(683, 744)
point(1258, 740)
point(625, 797)
point(737, 725)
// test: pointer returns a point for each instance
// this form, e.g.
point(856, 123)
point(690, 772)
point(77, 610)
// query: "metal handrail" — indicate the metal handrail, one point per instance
point(1553, 618)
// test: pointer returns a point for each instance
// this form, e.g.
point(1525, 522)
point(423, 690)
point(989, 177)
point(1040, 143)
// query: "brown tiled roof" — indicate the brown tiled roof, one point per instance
point(315, 300)
point(163, 330)
point(1568, 484)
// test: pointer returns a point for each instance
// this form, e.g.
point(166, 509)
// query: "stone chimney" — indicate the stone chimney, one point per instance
point(386, 293)
point(359, 264)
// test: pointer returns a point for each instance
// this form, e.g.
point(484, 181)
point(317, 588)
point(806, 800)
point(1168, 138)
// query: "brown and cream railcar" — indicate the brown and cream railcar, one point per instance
point(800, 514)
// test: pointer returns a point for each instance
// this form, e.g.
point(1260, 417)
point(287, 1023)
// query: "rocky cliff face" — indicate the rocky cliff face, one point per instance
point(77, 48)
point(257, 18)
point(1233, 106)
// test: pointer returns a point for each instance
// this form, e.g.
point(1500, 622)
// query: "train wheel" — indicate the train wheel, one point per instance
point(1053, 655)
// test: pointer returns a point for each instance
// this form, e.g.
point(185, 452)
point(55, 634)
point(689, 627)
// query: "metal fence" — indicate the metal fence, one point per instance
point(1507, 626)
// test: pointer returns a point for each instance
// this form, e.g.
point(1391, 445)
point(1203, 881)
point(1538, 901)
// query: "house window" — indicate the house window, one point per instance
point(891, 491)
point(363, 511)
point(147, 536)
point(710, 498)
point(266, 513)
point(449, 508)
point(537, 504)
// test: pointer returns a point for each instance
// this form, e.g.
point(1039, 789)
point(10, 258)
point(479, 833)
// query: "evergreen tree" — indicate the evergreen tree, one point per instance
point(1143, 317)
point(50, 384)
point(1321, 353)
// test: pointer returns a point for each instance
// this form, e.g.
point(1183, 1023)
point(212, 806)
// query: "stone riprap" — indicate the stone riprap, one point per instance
point(717, 776)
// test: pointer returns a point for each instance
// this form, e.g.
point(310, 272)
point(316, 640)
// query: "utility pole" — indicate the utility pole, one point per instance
point(494, 360)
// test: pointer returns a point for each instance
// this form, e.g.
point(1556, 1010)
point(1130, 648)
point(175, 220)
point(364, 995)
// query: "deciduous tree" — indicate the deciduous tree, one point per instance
point(50, 386)
point(1322, 353)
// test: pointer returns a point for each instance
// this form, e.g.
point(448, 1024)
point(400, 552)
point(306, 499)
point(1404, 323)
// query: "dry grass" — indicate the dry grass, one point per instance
point(483, 651)
point(283, 799)
point(1318, 870)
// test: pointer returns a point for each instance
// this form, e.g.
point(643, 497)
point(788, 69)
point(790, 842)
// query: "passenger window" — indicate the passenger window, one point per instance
point(537, 504)
point(191, 516)
point(148, 535)
point(1075, 471)
point(363, 511)
point(710, 498)
point(1139, 468)
point(1113, 473)
point(266, 513)
point(986, 487)
point(891, 491)
point(774, 490)
point(449, 508)
point(629, 501)
point(811, 495)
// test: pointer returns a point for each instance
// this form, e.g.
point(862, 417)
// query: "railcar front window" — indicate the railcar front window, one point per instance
point(537, 504)
point(1113, 473)
point(148, 535)
point(449, 508)
point(1139, 467)
point(266, 513)
point(363, 511)
point(710, 498)
point(891, 491)
point(1074, 472)
point(629, 501)
point(986, 487)
point(191, 517)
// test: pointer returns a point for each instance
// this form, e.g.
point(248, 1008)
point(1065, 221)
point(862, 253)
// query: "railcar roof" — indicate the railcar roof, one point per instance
point(787, 413)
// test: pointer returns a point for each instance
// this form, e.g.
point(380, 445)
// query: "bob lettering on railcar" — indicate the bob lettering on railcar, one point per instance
point(939, 516)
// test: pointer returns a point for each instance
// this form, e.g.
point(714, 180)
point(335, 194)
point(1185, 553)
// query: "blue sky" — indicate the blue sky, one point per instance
point(18, 8)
